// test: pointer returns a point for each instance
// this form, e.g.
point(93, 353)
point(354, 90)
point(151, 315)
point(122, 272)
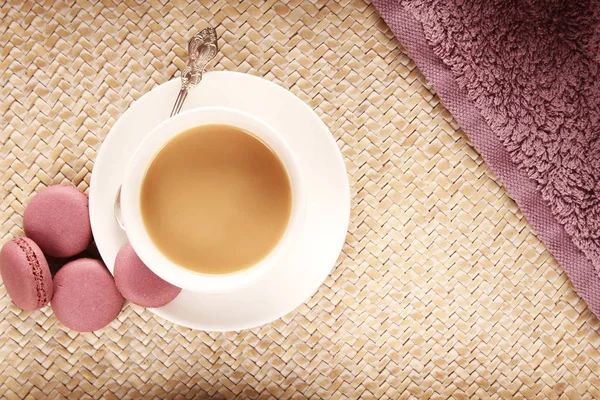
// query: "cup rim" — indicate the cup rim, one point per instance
point(140, 162)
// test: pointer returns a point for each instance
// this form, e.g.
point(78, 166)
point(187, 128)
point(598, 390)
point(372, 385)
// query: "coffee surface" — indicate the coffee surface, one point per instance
point(216, 199)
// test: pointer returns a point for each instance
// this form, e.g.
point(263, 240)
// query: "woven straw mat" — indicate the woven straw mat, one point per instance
point(442, 289)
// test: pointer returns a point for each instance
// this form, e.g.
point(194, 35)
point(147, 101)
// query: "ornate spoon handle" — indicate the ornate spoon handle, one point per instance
point(202, 48)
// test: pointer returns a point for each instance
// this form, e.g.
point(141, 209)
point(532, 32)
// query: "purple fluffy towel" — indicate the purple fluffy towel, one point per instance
point(522, 78)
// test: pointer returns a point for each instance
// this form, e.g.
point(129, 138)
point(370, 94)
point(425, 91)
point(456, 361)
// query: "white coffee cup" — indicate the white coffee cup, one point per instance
point(131, 189)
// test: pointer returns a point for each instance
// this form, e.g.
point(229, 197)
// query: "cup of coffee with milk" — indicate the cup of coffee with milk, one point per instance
point(212, 199)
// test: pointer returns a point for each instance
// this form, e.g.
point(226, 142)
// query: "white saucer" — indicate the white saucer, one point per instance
point(327, 210)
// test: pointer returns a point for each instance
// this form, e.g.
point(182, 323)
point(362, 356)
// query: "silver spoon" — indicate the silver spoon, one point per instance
point(202, 48)
point(117, 209)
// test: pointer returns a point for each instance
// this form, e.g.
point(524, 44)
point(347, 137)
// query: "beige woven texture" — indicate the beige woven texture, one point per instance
point(442, 289)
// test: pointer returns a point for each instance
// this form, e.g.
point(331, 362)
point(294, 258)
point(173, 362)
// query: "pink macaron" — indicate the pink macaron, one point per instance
point(58, 220)
point(26, 274)
point(85, 295)
point(138, 284)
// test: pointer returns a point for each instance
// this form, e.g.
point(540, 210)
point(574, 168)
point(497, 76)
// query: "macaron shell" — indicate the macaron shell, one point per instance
point(58, 220)
point(26, 274)
point(85, 295)
point(138, 284)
